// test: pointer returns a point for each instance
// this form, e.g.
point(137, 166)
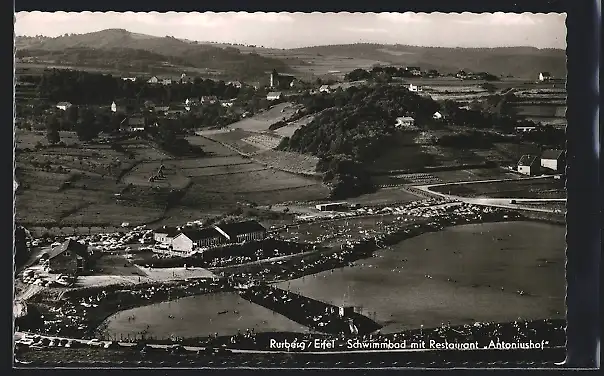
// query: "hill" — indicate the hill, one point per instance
point(522, 62)
point(103, 47)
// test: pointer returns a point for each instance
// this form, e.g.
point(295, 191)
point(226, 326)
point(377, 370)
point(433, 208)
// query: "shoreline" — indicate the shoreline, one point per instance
point(180, 289)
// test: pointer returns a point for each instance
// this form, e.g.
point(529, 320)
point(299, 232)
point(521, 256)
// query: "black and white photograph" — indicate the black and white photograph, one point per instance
point(289, 190)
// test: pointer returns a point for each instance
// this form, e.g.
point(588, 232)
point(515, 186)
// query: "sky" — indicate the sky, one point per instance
point(292, 30)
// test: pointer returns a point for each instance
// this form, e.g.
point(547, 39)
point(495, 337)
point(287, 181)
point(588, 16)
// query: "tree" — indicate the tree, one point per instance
point(86, 127)
point(52, 130)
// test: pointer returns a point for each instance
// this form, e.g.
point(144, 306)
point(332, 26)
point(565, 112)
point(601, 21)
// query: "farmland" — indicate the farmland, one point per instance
point(471, 269)
point(261, 121)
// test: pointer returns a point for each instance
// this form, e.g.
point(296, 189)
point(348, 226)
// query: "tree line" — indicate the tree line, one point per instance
point(86, 88)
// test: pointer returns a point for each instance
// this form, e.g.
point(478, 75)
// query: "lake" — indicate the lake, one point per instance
point(198, 316)
point(459, 275)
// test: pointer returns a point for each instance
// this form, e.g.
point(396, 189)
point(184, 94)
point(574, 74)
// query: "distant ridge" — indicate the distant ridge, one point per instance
point(520, 61)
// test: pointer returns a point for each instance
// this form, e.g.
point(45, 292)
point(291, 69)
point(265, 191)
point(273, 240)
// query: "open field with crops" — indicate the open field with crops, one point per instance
point(290, 128)
point(261, 121)
point(453, 276)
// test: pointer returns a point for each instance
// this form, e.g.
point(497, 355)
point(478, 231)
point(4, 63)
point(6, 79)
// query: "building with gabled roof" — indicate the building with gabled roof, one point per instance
point(70, 257)
point(190, 239)
point(238, 232)
point(545, 76)
point(165, 234)
point(528, 165)
point(552, 159)
point(273, 95)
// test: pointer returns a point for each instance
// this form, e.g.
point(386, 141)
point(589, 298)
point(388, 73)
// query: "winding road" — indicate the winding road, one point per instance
point(495, 202)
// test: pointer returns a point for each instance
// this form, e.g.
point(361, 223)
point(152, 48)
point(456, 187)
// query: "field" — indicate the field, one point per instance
point(212, 148)
point(249, 182)
point(199, 316)
point(457, 275)
point(290, 128)
point(288, 161)
point(525, 188)
point(261, 121)
point(444, 176)
point(77, 185)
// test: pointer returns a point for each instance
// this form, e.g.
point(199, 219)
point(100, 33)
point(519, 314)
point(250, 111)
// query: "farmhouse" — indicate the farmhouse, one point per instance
point(166, 81)
point(165, 234)
point(132, 79)
point(437, 116)
point(404, 121)
point(415, 88)
point(281, 81)
point(415, 71)
point(208, 99)
point(461, 74)
point(236, 84)
point(189, 240)
point(242, 231)
point(528, 165)
point(119, 107)
point(63, 105)
point(227, 103)
point(134, 124)
point(545, 76)
point(68, 258)
point(153, 80)
point(552, 160)
point(273, 95)
point(324, 89)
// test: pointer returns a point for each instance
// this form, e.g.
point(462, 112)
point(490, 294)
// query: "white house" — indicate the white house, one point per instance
point(324, 89)
point(208, 99)
point(63, 105)
point(165, 235)
point(404, 121)
point(273, 95)
point(236, 84)
point(545, 76)
point(415, 88)
point(415, 71)
point(552, 160)
point(166, 81)
point(528, 165)
point(437, 116)
point(133, 79)
point(189, 240)
point(153, 80)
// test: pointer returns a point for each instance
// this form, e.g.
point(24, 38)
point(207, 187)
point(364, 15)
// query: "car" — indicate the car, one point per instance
point(512, 201)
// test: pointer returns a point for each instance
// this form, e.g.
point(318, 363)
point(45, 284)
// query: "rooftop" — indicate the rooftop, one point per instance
point(240, 228)
point(69, 245)
point(527, 160)
point(170, 231)
point(203, 233)
point(552, 154)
